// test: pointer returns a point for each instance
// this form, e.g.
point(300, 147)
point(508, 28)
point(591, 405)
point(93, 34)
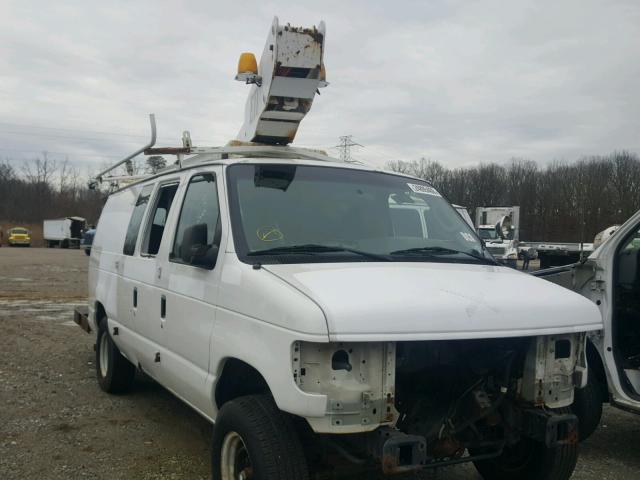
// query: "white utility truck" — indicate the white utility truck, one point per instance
point(63, 232)
point(499, 228)
point(610, 278)
point(268, 287)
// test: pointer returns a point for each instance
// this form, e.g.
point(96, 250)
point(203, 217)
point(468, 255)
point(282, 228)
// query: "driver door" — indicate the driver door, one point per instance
point(617, 287)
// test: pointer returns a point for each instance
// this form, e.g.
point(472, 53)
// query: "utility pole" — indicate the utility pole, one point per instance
point(345, 144)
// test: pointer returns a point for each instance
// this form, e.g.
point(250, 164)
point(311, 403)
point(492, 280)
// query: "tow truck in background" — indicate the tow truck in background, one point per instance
point(499, 228)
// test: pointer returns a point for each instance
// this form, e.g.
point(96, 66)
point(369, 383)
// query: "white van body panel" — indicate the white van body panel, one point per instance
point(437, 301)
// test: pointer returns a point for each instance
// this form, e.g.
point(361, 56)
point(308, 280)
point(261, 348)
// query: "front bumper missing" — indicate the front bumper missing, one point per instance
point(552, 429)
point(398, 451)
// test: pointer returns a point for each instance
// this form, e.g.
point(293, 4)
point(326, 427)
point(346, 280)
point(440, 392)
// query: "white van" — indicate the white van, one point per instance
point(274, 295)
point(610, 278)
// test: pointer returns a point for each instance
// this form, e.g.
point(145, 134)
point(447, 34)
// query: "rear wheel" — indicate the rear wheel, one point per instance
point(531, 460)
point(252, 439)
point(115, 373)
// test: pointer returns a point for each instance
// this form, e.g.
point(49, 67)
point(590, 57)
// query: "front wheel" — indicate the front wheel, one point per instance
point(587, 406)
point(252, 439)
point(115, 373)
point(531, 460)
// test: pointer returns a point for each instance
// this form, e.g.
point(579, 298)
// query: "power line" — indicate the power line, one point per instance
point(67, 137)
point(73, 130)
point(66, 154)
point(344, 145)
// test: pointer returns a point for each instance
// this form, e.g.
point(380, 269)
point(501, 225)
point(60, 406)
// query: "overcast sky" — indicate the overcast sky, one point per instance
point(460, 82)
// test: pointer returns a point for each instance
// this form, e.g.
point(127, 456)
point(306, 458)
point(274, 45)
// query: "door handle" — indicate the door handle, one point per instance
point(135, 297)
point(163, 307)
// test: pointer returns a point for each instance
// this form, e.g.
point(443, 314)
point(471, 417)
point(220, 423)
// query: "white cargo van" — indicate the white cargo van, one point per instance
point(278, 292)
point(264, 290)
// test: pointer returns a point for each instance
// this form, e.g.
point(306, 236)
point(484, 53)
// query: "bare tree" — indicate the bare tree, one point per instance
point(155, 163)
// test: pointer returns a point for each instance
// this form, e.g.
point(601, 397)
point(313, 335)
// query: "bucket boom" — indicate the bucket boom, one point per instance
point(284, 84)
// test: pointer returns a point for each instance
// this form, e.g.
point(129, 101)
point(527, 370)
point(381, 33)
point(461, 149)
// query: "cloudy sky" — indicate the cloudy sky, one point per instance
point(461, 82)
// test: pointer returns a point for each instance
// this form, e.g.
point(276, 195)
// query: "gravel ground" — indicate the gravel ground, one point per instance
point(55, 423)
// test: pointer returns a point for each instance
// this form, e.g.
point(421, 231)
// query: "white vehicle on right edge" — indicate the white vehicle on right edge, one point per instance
point(610, 278)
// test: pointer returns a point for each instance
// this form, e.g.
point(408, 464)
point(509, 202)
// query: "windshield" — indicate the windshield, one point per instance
point(19, 231)
point(291, 213)
point(488, 233)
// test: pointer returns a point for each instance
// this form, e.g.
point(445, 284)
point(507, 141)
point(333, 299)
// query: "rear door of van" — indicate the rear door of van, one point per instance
point(137, 285)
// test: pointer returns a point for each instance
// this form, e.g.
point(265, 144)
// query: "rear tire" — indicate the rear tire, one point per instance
point(251, 435)
point(587, 406)
point(531, 460)
point(115, 373)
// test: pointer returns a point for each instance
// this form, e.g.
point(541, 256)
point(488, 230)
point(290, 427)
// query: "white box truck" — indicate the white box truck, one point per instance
point(64, 232)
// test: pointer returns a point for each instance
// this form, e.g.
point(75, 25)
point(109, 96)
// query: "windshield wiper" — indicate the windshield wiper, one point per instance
point(312, 248)
point(435, 251)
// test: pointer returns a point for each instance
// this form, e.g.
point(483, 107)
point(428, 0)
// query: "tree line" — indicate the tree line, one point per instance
point(43, 188)
point(562, 201)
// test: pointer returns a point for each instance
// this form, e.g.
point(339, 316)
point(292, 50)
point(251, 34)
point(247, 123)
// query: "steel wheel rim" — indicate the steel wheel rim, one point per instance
point(235, 463)
point(104, 355)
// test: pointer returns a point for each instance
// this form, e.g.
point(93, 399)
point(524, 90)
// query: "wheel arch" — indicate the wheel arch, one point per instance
point(596, 368)
point(100, 313)
point(238, 378)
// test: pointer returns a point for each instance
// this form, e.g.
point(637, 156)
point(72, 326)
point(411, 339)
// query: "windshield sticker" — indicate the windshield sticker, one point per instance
point(468, 237)
point(269, 234)
point(418, 188)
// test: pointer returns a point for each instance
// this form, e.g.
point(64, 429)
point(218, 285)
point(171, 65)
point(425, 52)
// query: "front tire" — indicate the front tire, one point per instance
point(587, 406)
point(531, 460)
point(115, 373)
point(252, 439)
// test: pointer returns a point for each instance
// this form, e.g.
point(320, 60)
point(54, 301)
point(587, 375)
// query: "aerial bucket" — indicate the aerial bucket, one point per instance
point(289, 74)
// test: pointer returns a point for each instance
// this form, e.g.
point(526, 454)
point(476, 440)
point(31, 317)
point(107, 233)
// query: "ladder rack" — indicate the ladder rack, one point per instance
point(235, 148)
point(283, 86)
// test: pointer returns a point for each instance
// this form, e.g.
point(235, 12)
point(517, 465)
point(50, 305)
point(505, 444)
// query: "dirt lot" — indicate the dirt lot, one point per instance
point(56, 424)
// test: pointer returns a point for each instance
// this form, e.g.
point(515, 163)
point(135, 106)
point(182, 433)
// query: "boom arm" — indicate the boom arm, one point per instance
point(290, 72)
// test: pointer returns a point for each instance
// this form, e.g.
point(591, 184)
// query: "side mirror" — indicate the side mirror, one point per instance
point(205, 256)
point(195, 250)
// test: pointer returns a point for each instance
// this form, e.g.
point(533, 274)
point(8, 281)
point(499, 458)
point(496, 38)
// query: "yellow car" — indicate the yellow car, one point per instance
point(19, 236)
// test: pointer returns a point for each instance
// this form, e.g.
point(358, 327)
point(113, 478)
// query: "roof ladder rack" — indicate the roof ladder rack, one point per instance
point(101, 176)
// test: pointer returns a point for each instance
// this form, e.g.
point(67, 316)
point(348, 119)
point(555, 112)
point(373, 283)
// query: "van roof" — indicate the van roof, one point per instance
point(226, 156)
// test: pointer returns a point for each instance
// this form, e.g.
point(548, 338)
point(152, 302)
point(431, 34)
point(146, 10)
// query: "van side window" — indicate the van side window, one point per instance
point(136, 219)
point(158, 219)
point(198, 232)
